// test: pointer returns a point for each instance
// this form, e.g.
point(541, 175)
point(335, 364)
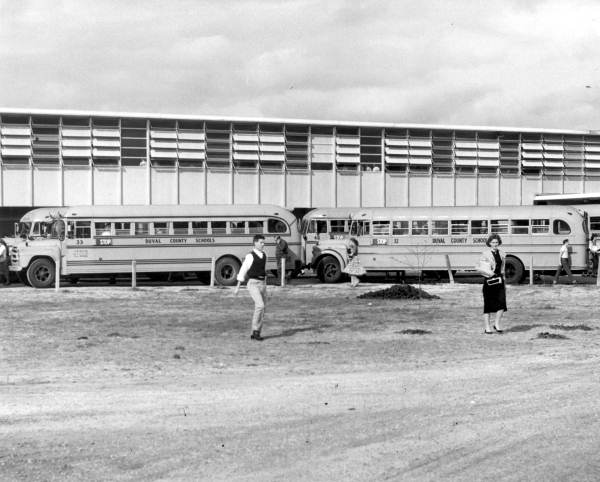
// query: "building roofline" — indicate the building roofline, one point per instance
point(280, 120)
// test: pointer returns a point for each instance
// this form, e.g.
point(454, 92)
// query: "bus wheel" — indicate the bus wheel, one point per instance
point(329, 270)
point(41, 273)
point(514, 270)
point(226, 271)
point(22, 275)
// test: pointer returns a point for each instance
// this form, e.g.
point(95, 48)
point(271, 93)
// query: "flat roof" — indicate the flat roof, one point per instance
point(577, 198)
point(277, 120)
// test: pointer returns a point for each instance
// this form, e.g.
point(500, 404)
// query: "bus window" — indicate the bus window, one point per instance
point(102, 229)
point(161, 228)
point(540, 226)
point(561, 227)
point(79, 229)
point(218, 227)
point(122, 229)
point(237, 227)
point(199, 227)
point(479, 226)
point(381, 228)
point(180, 227)
point(317, 226)
point(400, 228)
point(595, 223)
point(439, 228)
point(459, 227)
point(520, 226)
point(276, 226)
point(141, 228)
point(338, 226)
point(500, 226)
point(255, 227)
point(420, 228)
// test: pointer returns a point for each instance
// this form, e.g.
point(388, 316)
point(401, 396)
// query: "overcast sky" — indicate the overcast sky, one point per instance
point(467, 62)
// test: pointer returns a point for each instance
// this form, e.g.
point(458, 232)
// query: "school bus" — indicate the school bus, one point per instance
point(325, 223)
point(104, 240)
point(418, 239)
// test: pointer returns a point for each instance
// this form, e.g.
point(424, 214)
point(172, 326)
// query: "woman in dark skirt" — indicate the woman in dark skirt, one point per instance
point(491, 266)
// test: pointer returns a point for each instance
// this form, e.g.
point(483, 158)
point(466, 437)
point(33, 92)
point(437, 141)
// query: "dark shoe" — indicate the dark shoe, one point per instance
point(256, 336)
point(497, 330)
point(488, 332)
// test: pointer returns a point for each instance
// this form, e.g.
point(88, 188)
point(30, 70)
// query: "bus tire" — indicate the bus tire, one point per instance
point(513, 270)
point(41, 273)
point(329, 270)
point(22, 275)
point(226, 271)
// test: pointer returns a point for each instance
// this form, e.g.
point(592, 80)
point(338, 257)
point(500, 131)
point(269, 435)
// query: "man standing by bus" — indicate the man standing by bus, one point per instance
point(4, 260)
point(253, 268)
point(281, 253)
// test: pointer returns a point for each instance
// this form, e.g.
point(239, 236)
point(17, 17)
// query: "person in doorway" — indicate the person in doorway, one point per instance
point(564, 262)
point(353, 267)
point(253, 268)
point(281, 253)
point(4, 261)
point(491, 266)
point(594, 248)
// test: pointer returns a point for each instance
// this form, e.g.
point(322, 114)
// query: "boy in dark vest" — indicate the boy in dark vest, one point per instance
point(253, 268)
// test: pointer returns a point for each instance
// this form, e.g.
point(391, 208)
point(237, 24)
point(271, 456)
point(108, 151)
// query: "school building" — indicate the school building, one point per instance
point(51, 158)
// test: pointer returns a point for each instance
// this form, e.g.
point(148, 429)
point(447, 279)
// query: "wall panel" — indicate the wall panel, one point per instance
point(348, 188)
point(217, 187)
point(16, 185)
point(46, 186)
point(107, 185)
point(443, 191)
point(245, 187)
point(487, 194)
point(191, 185)
point(372, 192)
point(271, 187)
point(297, 189)
point(552, 185)
point(510, 191)
point(466, 191)
point(419, 190)
point(322, 189)
point(592, 184)
point(77, 183)
point(530, 186)
point(134, 184)
point(164, 185)
point(396, 190)
point(573, 184)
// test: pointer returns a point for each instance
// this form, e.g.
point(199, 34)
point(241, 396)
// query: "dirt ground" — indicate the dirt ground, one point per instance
point(163, 383)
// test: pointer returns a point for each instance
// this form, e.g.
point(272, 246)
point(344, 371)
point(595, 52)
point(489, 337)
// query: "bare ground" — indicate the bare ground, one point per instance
point(163, 383)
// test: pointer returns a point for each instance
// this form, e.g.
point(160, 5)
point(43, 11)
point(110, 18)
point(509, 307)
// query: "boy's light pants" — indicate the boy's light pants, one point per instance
point(258, 291)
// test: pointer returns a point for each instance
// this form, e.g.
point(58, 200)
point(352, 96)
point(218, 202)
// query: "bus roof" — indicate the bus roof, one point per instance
point(456, 212)
point(159, 211)
point(327, 213)
point(579, 198)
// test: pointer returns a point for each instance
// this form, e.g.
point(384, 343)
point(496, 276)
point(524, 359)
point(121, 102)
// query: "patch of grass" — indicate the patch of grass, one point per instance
point(553, 336)
point(519, 328)
point(581, 327)
point(413, 331)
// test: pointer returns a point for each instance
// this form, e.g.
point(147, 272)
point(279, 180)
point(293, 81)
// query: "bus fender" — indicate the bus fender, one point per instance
point(330, 252)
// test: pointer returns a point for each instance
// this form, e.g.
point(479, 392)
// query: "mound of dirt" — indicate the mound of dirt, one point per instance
point(402, 292)
point(554, 336)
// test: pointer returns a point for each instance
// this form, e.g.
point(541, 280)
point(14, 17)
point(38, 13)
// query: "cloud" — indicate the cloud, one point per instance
point(469, 62)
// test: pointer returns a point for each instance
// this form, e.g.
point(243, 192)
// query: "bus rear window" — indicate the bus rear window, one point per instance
point(520, 226)
point(381, 228)
point(540, 226)
point(276, 226)
point(439, 228)
point(561, 227)
point(400, 228)
point(479, 226)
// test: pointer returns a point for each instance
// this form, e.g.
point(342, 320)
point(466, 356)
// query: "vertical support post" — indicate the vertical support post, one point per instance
point(598, 278)
point(212, 272)
point(282, 272)
point(133, 274)
point(57, 275)
point(450, 275)
point(531, 270)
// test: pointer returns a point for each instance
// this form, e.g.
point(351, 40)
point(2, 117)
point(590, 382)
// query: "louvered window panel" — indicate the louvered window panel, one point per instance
point(45, 140)
point(15, 139)
point(76, 142)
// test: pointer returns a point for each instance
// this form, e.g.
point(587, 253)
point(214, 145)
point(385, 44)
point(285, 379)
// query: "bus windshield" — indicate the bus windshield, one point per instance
point(22, 229)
